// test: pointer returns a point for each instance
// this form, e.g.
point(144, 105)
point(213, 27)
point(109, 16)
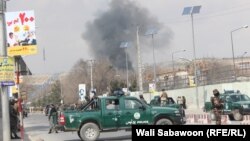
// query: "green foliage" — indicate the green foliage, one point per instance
point(55, 95)
point(52, 97)
point(34, 104)
point(116, 84)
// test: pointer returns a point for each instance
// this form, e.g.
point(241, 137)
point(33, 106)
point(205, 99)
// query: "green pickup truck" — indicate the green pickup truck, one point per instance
point(114, 113)
point(236, 105)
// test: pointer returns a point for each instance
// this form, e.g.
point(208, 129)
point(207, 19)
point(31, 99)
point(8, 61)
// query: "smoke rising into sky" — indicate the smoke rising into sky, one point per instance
point(118, 24)
point(88, 29)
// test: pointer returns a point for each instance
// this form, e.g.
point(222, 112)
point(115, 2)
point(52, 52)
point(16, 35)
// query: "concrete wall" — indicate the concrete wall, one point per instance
point(204, 93)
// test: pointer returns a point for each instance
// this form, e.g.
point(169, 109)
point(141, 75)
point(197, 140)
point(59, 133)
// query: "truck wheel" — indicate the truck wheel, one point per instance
point(78, 133)
point(89, 132)
point(164, 121)
point(231, 117)
point(237, 115)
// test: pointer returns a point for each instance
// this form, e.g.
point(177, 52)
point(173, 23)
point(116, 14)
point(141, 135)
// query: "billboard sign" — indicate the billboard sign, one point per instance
point(20, 33)
point(7, 74)
point(82, 91)
point(151, 87)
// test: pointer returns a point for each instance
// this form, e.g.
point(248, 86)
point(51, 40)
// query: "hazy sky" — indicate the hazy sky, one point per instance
point(63, 30)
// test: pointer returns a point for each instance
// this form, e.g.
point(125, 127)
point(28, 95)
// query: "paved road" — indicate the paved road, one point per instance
point(37, 127)
point(1, 133)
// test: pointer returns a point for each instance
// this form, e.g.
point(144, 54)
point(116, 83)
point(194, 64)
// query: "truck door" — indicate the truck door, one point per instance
point(110, 113)
point(134, 112)
point(227, 104)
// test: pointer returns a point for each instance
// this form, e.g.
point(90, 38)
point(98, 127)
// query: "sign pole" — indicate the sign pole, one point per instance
point(20, 109)
point(4, 90)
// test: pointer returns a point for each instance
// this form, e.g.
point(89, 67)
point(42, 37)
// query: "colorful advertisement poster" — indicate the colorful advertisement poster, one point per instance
point(20, 30)
point(151, 87)
point(7, 68)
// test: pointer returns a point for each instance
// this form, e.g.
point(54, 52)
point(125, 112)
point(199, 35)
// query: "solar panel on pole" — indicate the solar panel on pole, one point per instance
point(186, 10)
point(126, 45)
point(196, 9)
point(190, 11)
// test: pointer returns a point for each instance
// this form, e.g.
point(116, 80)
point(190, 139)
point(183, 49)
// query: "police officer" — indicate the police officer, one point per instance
point(13, 119)
point(156, 101)
point(217, 106)
point(164, 98)
point(142, 99)
point(53, 116)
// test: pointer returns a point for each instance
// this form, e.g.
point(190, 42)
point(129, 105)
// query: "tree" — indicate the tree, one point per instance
point(55, 95)
point(77, 75)
point(26, 86)
point(103, 74)
point(133, 87)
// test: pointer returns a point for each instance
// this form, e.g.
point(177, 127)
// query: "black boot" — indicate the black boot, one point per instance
point(17, 137)
point(49, 131)
point(11, 135)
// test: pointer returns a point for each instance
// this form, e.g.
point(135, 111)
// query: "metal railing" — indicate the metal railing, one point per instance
point(222, 74)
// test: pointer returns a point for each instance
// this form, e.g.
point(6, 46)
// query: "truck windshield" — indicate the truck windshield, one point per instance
point(236, 98)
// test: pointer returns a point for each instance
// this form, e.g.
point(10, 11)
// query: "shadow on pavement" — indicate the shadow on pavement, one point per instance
point(118, 138)
point(37, 128)
point(26, 138)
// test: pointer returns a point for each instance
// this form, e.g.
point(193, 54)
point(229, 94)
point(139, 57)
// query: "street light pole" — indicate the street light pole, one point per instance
point(91, 75)
point(242, 61)
point(154, 60)
point(231, 33)
point(127, 67)
point(61, 88)
point(191, 11)
point(4, 89)
point(173, 62)
point(195, 68)
point(126, 45)
point(139, 60)
point(152, 32)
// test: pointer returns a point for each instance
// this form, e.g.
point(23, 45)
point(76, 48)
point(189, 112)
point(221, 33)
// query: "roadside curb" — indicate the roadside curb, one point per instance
point(246, 120)
point(206, 119)
point(35, 139)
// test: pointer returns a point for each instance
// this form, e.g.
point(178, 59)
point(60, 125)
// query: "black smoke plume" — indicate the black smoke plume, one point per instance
point(106, 32)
